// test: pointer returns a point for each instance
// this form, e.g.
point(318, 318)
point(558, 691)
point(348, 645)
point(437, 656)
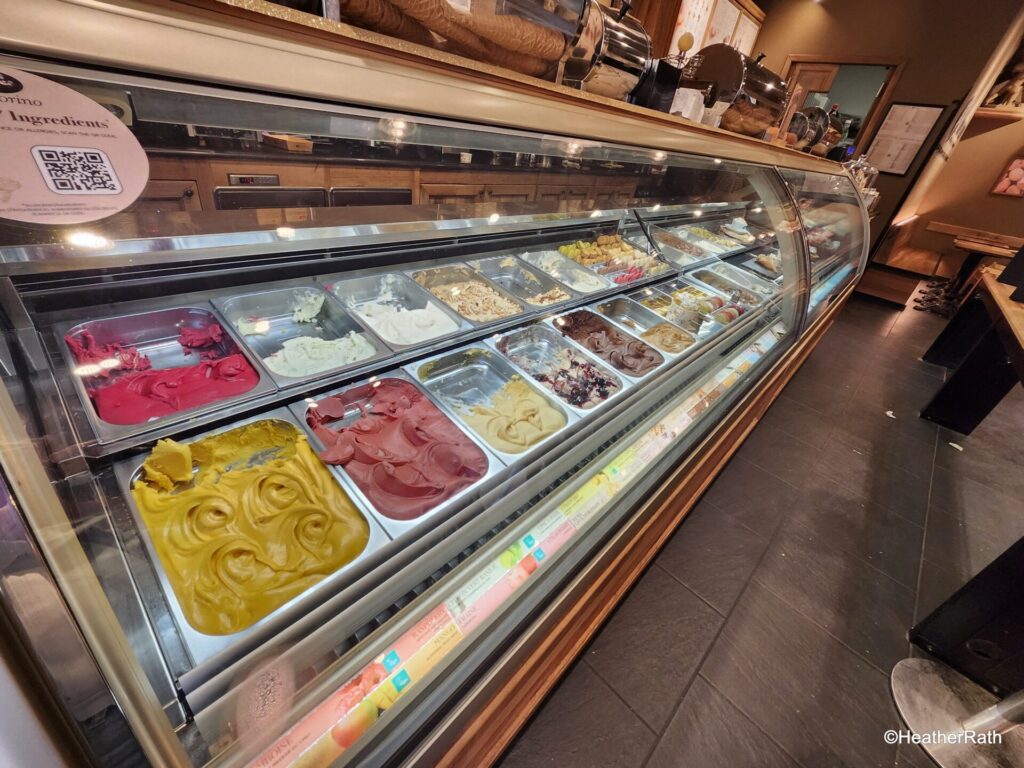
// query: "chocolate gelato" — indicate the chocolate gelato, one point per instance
point(625, 353)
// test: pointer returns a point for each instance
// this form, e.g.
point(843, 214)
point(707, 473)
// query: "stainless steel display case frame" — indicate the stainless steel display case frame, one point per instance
point(105, 645)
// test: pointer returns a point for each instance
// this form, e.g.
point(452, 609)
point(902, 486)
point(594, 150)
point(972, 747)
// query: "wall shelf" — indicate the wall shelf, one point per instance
point(998, 115)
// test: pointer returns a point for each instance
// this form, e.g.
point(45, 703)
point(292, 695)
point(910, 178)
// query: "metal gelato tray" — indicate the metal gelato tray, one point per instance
point(436, 278)
point(153, 334)
point(537, 348)
point(637, 319)
point(356, 397)
point(659, 300)
point(201, 646)
point(655, 265)
point(521, 280)
point(712, 247)
point(681, 250)
point(567, 272)
point(741, 287)
point(472, 376)
point(270, 313)
point(725, 314)
point(607, 326)
point(393, 289)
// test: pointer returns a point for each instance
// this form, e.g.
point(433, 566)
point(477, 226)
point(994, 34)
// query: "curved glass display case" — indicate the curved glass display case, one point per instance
point(301, 441)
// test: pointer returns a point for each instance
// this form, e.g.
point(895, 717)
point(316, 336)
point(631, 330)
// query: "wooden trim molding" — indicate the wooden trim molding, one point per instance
point(495, 721)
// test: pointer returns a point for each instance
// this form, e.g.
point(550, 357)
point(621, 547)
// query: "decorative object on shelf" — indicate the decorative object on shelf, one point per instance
point(1008, 91)
point(1011, 181)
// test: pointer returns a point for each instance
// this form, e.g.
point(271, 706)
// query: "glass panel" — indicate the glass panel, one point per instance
point(834, 231)
point(276, 416)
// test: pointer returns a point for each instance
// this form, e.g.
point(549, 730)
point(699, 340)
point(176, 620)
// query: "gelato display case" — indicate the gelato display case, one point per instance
point(306, 484)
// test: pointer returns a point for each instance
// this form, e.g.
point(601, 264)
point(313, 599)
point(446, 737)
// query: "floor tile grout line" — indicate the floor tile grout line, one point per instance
point(615, 693)
point(753, 722)
point(824, 629)
point(815, 468)
point(687, 587)
point(924, 545)
point(856, 556)
point(714, 641)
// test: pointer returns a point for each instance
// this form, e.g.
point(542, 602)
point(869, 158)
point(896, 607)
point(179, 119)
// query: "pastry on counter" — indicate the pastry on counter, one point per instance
point(772, 262)
point(738, 229)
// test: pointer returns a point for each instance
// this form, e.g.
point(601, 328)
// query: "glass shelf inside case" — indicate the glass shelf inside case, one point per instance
point(835, 231)
point(318, 442)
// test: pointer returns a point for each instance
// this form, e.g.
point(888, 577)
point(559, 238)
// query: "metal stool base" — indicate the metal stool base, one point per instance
point(932, 698)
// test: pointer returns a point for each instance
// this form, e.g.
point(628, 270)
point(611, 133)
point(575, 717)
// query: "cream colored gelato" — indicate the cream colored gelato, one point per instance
point(399, 325)
point(307, 355)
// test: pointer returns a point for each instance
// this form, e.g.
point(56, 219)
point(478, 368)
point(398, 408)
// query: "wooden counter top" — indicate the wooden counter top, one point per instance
point(1013, 311)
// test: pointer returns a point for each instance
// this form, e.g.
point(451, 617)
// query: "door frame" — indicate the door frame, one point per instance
point(878, 109)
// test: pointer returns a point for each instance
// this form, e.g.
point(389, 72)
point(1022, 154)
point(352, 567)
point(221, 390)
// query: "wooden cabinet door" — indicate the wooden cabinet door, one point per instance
point(169, 195)
point(510, 193)
point(614, 195)
point(447, 194)
point(813, 77)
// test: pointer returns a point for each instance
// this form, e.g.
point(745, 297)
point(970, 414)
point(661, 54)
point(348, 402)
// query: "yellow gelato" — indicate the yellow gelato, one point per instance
point(168, 464)
point(517, 417)
point(263, 521)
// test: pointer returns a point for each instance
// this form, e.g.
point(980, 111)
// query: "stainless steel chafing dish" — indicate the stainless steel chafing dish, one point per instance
point(611, 53)
point(749, 97)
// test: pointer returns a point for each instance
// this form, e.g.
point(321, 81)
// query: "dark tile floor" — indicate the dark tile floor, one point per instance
point(763, 634)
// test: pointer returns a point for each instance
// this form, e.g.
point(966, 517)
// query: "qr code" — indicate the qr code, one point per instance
point(77, 170)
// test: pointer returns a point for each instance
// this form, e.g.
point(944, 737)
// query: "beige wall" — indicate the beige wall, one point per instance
point(945, 44)
point(961, 193)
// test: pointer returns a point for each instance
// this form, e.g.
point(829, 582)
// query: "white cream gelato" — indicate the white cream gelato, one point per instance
point(307, 355)
point(307, 309)
point(399, 325)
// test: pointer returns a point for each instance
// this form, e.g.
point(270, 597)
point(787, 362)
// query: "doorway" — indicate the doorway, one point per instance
point(859, 88)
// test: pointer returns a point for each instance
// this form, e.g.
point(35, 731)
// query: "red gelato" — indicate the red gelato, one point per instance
point(402, 452)
point(197, 338)
point(106, 357)
point(141, 393)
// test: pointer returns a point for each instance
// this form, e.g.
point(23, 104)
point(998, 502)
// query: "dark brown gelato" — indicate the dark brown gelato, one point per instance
point(622, 351)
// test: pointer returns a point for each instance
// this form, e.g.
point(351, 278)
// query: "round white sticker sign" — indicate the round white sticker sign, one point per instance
point(64, 159)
